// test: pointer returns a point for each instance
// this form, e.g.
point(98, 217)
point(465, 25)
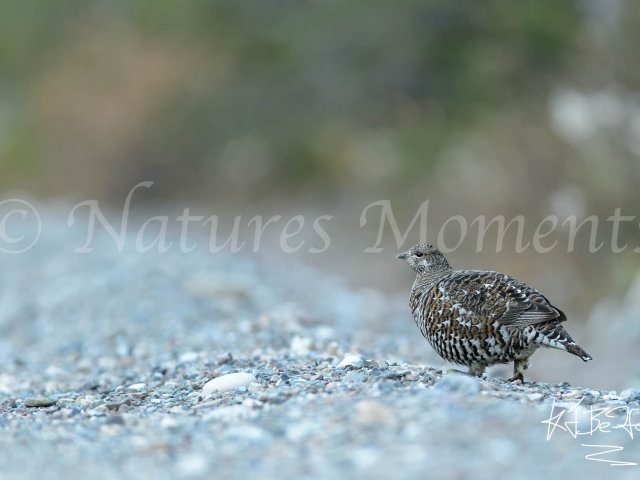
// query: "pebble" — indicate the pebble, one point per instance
point(138, 388)
point(39, 402)
point(224, 358)
point(351, 361)
point(632, 393)
point(356, 377)
point(228, 383)
point(189, 357)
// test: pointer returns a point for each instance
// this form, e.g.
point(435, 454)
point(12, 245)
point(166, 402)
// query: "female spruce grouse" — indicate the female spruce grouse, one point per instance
point(478, 319)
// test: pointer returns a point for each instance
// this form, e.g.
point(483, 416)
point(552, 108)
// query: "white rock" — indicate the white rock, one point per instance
point(351, 361)
point(138, 388)
point(189, 357)
point(228, 383)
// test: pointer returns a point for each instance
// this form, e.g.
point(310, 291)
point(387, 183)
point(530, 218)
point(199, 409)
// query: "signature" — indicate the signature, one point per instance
point(598, 421)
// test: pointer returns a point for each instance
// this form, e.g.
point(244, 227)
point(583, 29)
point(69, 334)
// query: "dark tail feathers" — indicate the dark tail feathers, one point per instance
point(574, 348)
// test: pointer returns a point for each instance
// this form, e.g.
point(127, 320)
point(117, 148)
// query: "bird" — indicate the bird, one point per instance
point(478, 318)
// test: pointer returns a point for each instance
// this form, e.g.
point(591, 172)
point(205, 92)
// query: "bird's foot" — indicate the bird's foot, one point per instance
point(517, 376)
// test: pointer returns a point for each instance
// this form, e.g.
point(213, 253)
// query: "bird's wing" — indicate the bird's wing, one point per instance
point(498, 297)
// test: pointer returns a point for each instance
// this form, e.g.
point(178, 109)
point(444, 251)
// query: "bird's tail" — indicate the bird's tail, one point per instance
point(555, 336)
point(578, 351)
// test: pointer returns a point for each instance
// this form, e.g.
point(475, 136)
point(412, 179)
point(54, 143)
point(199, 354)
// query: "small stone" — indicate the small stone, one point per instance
point(33, 402)
point(10, 403)
point(189, 357)
point(138, 388)
point(410, 378)
point(228, 383)
point(351, 361)
point(356, 377)
point(224, 358)
point(632, 393)
point(393, 374)
point(120, 389)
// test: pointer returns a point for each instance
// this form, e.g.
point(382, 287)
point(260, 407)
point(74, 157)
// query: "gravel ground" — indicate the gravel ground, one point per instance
point(122, 365)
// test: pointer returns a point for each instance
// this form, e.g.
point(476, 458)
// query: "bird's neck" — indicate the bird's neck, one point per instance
point(425, 281)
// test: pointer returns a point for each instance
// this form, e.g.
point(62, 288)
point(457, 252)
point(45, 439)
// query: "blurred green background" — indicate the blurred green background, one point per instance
point(220, 97)
point(485, 108)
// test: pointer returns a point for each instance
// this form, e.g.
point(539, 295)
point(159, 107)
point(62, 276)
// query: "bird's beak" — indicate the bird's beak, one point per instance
point(403, 256)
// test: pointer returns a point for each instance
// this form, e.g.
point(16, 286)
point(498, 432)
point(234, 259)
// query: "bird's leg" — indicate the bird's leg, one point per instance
point(476, 370)
point(519, 366)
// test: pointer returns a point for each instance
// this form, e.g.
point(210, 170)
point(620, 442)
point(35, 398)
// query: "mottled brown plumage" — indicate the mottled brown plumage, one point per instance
point(478, 318)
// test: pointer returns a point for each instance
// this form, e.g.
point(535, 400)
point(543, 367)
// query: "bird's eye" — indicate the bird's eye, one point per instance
point(418, 254)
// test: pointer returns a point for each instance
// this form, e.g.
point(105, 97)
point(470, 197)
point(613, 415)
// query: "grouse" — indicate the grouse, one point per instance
point(477, 318)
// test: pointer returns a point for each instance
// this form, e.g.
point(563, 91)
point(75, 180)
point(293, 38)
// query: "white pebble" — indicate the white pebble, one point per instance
point(228, 383)
point(189, 357)
point(351, 361)
point(138, 388)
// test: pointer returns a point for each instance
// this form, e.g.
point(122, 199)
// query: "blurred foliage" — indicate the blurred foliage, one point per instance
point(260, 93)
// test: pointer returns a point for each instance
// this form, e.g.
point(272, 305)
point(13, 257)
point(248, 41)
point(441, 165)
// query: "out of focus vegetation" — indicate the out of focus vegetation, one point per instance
point(206, 95)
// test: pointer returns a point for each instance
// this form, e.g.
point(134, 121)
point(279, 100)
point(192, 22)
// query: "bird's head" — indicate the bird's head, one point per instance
point(425, 259)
